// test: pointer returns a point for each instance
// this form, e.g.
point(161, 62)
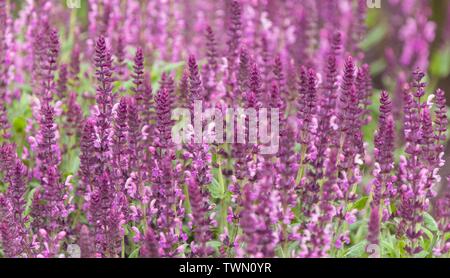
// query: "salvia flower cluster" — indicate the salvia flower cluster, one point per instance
point(89, 168)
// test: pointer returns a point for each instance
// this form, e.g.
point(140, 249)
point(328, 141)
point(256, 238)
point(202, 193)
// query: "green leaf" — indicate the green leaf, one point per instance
point(361, 203)
point(357, 251)
point(387, 245)
point(446, 236)
point(393, 208)
point(440, 62)
point(135, 253)
point(430, 223)
point(297, 147)
point(377, 66)
point(374, 37)
point(422, 254)
point(29, 199)
point(216, 189)
point(428, 233)
point(19, 124)
point(214, 244)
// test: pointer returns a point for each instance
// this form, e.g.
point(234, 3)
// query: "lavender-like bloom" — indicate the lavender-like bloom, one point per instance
point(85, 243)
point(330, 192)
point(352, 144)
point(13, 232)
point(163, 120)
point(167, 82)
point(234, 33)
point(106, 217)
point(441, 120)
point(147, 103)
point(374, 225)
point(104, 98)
point(384, 148)
point(50, 209)
point(139, 110)
point(195, 83)
point(17, 187)
point(306, 114)
point(14, 175)
point(258, 214)
point(47, 143)
point(183, 90)
point(347, 95)
point(138, 73)
point(418, 170)
point(199, 174)
point(255, 85)
point(244, 152)
point(279, 75)
point(211, 47)
point(442, 216)
point(310, 32)
point(74, 116)
point(166, 194)
point(359, 28)
point(49, 244)
point(364, 87)
point(306, 103)
point(234, 43)
point(327, 128)
point(330, 93)
point(147, 116)
point(133, 135)
point(150, 248)
point(74, 66)
point(4, 125)
point(61, 86)
point(348, 115)
point(38, 46)
point(198, 197)
point(119, 146)
point(87, 157)
point(244, 70)
point(383, 185)
point(286, 167)
point(315, 242)
point(210, 70)
point(120, 67)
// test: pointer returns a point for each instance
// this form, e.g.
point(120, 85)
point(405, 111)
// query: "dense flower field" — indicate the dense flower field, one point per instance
point(89, 164)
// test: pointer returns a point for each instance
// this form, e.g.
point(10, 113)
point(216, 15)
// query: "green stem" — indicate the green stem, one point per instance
point(123, 247)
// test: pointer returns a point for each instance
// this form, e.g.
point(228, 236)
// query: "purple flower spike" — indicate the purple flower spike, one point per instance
point(195, 83)
point(85, 243)
point(211, 46)
point(62, 81)
point(104, 97)
point(234, 32)
point(4, 125)
point(119, 146)
point(88, 159)
point(163, 120)
point(374, 225)
point(150, 249)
